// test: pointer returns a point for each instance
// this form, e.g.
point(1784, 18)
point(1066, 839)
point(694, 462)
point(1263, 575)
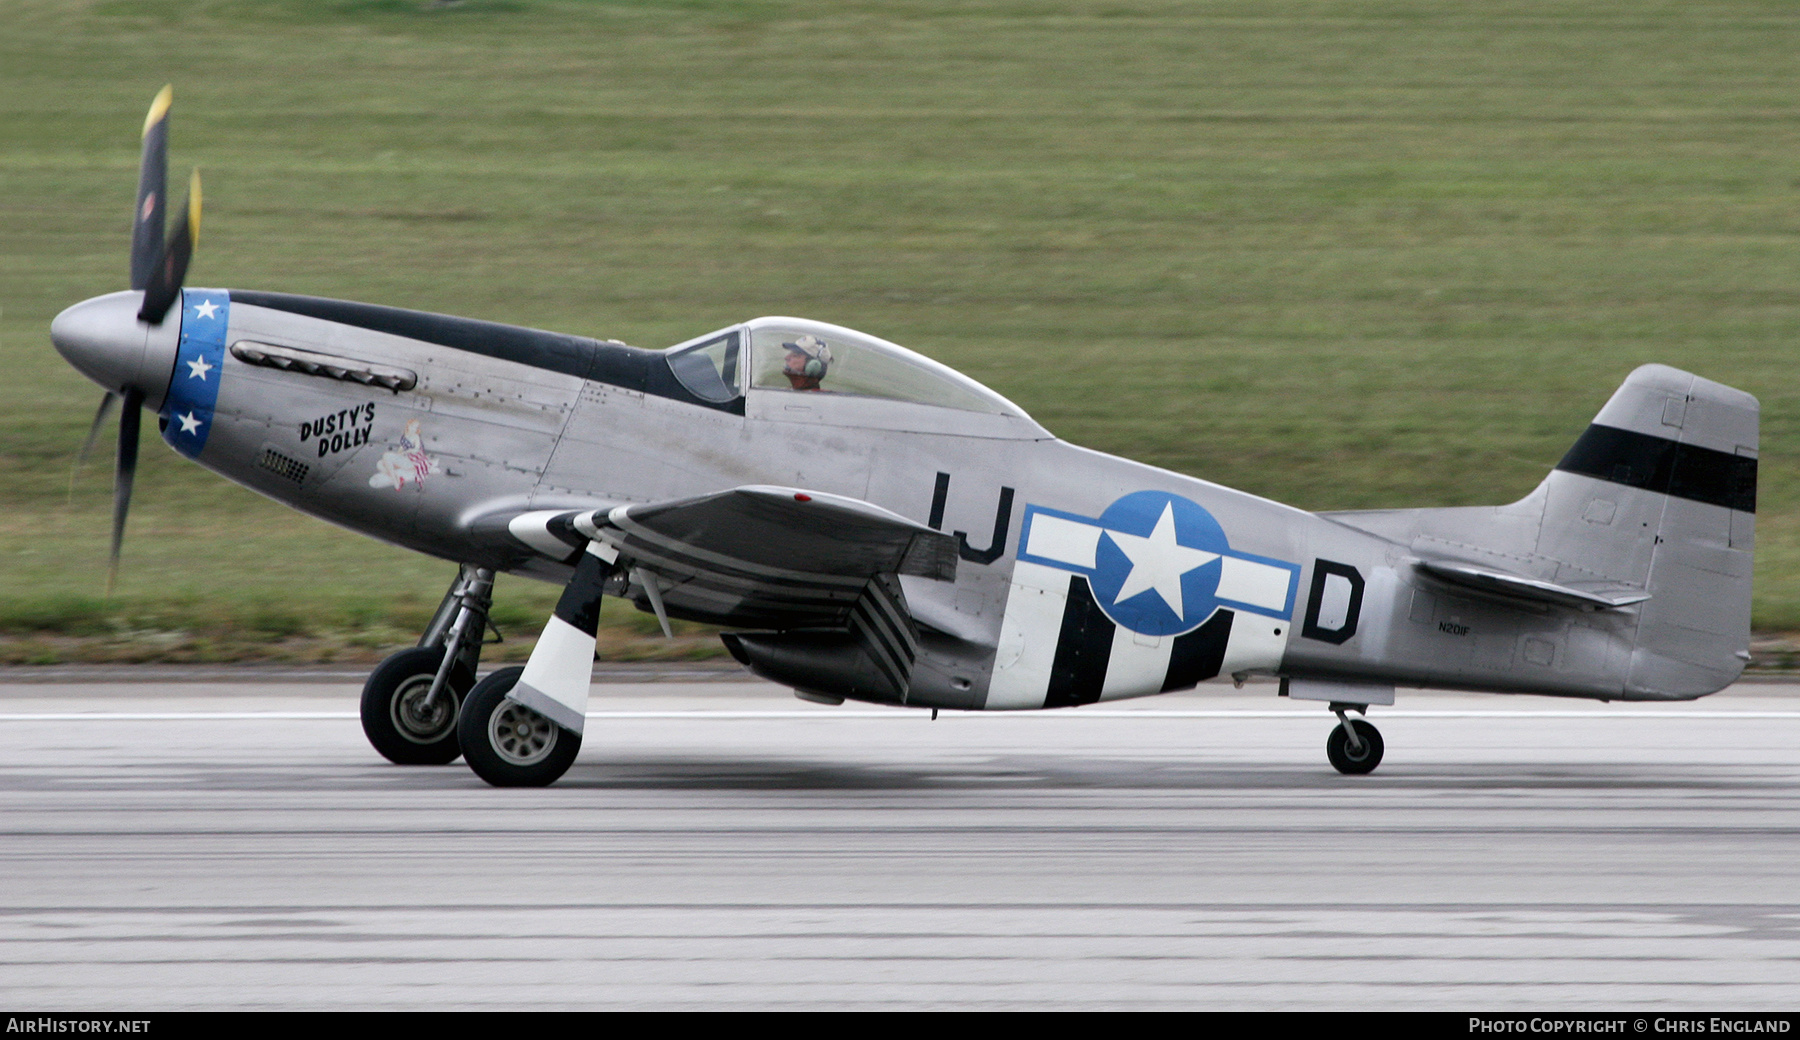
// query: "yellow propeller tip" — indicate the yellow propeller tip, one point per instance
point(194, 206)
point(160, 107)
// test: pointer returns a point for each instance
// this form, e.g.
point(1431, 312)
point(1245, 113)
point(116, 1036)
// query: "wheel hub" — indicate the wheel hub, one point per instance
point(521, 736)
point(418, 721)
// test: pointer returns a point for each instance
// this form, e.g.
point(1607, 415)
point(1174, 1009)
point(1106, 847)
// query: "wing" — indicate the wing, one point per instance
point(816, 573)
point(752, 557)
point(772, 557)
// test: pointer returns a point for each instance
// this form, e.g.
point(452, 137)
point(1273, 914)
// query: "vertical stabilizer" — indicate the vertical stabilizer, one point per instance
point(1628, 568)
point(1661, 490)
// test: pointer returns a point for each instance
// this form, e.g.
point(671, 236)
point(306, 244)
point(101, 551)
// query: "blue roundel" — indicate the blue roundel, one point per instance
point(1157, 566)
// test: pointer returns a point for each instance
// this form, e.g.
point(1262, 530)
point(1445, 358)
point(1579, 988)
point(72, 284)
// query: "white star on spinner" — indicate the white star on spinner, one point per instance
point(189, 424)
point(205, 310)
point(199, 369)
point(1158, 562)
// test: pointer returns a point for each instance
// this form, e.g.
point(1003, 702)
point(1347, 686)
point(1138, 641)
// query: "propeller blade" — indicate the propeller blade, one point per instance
point(106, 406)
point(124, 475)
point(107, 401)
point(171, 270)
point(153, 172)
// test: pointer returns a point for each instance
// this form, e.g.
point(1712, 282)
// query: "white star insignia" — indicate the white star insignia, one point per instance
point(1158, 562)
point(205, 310)
point(189, 424)
point(199, 368)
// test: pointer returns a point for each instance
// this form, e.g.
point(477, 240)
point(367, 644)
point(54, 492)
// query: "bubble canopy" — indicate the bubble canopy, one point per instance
point(798, 356)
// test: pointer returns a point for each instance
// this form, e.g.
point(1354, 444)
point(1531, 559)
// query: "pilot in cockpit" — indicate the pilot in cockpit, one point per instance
point(808, 359)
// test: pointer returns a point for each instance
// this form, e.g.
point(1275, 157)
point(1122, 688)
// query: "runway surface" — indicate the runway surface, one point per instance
point(236, 844)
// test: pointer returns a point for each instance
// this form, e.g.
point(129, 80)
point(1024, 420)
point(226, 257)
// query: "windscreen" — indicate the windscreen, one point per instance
point(709, 370)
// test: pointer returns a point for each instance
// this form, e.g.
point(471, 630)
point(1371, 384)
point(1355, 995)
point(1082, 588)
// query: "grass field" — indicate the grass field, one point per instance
point(1345, 255)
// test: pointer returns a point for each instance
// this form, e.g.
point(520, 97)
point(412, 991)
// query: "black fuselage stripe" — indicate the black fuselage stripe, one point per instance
point(1667, 467)
point(1198, 655)
point(1083, 649)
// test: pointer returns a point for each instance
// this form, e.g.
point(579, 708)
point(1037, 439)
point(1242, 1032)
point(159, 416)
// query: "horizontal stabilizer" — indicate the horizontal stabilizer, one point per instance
point(1517, 586)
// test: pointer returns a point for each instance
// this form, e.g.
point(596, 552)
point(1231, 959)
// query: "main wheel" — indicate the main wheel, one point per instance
point(396, 718)
point(508, 744)
point(1351, 760)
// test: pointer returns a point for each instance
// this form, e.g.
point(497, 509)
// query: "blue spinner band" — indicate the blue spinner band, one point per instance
point(199, 365)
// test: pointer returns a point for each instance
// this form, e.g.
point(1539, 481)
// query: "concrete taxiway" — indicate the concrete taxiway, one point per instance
point(228, 840)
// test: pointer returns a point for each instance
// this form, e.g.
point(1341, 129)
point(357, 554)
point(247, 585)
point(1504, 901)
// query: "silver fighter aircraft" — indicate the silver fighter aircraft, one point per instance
point(870, 525)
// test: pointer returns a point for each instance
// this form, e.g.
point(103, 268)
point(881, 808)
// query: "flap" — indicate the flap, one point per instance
point(1517, 586)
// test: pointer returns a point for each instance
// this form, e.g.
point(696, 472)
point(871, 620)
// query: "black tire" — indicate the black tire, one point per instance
point(390, 699)
point(1348, 760)
point(508, 744)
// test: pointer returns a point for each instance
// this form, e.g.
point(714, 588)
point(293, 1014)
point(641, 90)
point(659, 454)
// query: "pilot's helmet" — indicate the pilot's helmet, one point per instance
point(816, 353)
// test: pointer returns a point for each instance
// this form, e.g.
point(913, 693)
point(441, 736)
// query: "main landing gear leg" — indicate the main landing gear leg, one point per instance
point(410, 703)
point(521, 727)
point(1355, 746)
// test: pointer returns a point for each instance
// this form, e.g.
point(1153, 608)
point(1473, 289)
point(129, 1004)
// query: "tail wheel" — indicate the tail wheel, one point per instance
point(1353, 760)
point(398, 719)
point(508, 744)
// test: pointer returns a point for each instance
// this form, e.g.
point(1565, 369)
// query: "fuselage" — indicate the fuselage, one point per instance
point(1083, 576)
